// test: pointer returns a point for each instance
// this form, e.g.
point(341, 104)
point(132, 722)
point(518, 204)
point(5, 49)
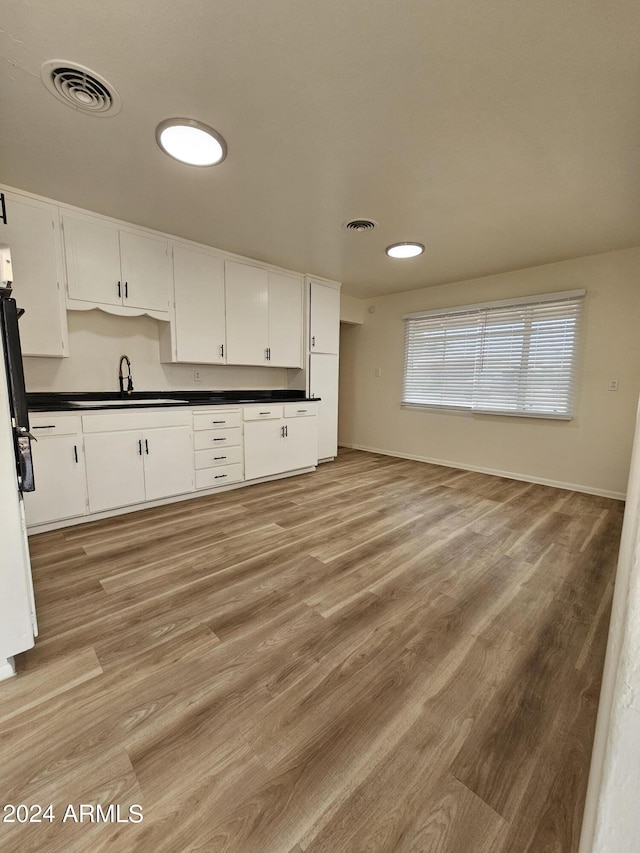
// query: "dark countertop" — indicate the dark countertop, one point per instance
point(72, 401)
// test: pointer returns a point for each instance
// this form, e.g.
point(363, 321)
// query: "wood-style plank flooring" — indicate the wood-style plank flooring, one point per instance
point(380, 656)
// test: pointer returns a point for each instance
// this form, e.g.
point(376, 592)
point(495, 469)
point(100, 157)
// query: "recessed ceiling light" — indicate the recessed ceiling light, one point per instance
point(404, 250)
point(191, 142)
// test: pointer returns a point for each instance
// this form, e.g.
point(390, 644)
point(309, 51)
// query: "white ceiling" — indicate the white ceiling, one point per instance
point(502, 134)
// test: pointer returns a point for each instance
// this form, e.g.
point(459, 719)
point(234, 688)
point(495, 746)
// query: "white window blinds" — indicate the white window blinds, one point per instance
point(513, 357)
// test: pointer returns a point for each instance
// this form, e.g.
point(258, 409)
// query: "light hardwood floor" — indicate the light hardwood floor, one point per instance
point(380, 656)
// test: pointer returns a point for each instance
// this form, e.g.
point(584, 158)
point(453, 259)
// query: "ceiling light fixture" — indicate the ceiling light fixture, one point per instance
point(191, 142)
point(404, 250)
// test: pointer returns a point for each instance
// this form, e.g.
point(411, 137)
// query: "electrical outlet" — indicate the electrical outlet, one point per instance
point(196, 376)
point(613, 385)
point(378, 372)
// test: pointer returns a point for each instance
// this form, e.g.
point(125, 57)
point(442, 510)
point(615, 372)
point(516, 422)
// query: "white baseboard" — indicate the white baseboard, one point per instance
point(7, 669)
point(556, 484)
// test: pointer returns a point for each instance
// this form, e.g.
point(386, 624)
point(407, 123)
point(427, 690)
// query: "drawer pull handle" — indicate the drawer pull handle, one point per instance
point(140, 446)
point(75, 453)
point(217, 458)
point(219, 439)
point(264, 413)
point(302, 411)
point(218, 422)
point(220, 476)
point(46, 426)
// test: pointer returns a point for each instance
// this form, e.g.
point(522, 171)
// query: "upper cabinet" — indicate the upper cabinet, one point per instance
point(247, 295)
point(125, 272)
point(324, 334)
point(196, 333)
point(285, 320)
point(264, 316)
point(216, 310)
point(32, 232)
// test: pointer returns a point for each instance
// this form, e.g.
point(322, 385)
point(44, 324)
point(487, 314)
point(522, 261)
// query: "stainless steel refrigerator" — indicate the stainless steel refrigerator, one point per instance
point(18, 625)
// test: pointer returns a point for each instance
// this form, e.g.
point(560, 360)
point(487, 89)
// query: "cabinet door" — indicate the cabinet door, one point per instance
point(58, 464)
point(325, 318)
point(168, 462)
point(145, 271)
point(199, 307)
point(247, 302)
point(32, 232)
point(92, 254)
point(115, 472)
point(301, 443)
point(264, 448)
point(285, 321)
point(323, 379)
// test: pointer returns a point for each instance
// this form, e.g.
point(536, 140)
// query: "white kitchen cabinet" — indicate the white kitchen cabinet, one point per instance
point(115, 469)
point(324, 327)
point(285, 321)
point(144, 259)
point(197, 330)
point(323, 383)
point(112, 268)
point(276, 445)
point(168, 462)
point(32, 232)
point(59, 471)
point(264, 316)
point(218, 447)
point(247, 302)
point(125, 468)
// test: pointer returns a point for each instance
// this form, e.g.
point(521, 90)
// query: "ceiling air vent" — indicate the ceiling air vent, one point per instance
point(359, 225)
point(80, 88)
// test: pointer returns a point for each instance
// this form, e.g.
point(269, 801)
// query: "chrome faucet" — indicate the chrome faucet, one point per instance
point(121, 375)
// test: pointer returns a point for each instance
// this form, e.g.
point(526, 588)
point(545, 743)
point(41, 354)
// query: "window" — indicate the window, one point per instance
point(515, 357)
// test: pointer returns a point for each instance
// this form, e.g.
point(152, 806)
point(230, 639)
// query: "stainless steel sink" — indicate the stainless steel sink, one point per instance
point(99, 404)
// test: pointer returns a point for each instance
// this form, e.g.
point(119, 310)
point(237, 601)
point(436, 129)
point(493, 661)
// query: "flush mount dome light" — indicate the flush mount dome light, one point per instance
point(404, 250)
point(191, 142)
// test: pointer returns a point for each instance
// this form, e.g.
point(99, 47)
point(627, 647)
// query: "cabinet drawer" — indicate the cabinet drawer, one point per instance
point(207, 478)
point(262, 413)
point(215, 458)
point(217, 420)
point(140, 419)
point(206, 439)
point(43, 425)
point(300, 410)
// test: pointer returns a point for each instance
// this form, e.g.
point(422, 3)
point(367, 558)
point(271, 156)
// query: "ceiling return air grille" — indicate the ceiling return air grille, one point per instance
point(360, 226)
point(80, 88)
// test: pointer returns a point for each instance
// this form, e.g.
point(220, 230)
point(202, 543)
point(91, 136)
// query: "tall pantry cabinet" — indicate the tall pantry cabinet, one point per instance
point(324, 341)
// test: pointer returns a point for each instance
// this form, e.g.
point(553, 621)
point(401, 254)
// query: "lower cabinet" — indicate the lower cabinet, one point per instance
point(217, 443)
point(58, 464)
point(285, 441)
point(101, 461)
point(130, 467)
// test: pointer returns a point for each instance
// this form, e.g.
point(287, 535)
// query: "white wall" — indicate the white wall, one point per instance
point(351, 309)
point(96, 342)
point(590, 452)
